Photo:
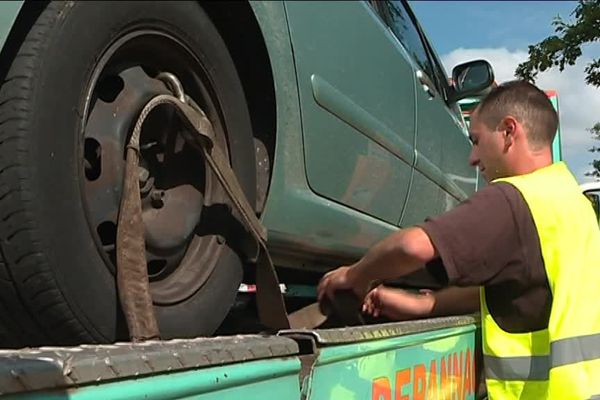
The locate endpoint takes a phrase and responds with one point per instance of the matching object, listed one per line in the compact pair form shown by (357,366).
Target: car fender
(9,10)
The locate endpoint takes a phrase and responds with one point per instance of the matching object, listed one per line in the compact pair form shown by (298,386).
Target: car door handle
(426,83)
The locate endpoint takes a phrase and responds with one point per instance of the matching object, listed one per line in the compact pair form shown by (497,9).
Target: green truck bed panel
(415,359)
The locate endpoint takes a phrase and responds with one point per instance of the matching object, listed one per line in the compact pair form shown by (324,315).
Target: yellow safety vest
(563,361)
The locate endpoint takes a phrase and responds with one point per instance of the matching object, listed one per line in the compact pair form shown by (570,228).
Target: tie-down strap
(132,278)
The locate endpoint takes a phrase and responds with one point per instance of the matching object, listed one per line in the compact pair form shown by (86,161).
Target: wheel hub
(174,183)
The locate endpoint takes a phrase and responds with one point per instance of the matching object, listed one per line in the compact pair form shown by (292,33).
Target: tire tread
(28,289)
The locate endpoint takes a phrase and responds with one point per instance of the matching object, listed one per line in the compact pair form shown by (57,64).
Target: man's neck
(532,161)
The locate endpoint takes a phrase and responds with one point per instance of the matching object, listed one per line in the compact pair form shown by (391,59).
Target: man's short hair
(527,104)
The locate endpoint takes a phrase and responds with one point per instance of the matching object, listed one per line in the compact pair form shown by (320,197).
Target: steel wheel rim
(123,80)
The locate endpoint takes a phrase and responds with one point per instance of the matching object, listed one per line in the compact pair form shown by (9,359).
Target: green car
(337,118)
(591,190)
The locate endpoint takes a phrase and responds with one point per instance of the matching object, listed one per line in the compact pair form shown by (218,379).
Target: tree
(595,131)
(564,48)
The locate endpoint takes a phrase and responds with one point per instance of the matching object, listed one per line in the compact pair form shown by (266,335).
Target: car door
(356,92)
(459,178)
(442,176)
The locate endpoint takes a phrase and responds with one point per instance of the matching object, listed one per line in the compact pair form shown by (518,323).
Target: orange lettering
(419,379)
(457,376)
(381,389)
(402,378)
(474,377)
(444,384)
(432,386)
(468,382)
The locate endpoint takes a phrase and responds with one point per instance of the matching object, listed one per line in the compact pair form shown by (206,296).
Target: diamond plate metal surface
(355,334)
(55,367)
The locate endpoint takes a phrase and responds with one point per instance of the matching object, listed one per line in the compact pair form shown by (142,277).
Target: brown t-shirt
(490,240)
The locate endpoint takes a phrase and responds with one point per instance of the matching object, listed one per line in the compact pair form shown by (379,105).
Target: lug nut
(156,199)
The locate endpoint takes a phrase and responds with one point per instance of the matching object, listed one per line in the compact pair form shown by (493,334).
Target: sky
(500,32)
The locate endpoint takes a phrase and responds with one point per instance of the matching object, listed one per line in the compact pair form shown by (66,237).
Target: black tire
(56,284)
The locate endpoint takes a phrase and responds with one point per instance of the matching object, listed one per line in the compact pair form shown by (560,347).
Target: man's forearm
(455,301)
(397,255)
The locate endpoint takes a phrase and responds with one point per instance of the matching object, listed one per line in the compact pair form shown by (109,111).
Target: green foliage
(595,131)
(564,48)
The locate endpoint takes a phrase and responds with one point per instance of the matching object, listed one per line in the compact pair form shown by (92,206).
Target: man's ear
(508,127)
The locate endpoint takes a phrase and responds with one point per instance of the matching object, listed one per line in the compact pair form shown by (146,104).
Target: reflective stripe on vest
(537,368)
(533,368)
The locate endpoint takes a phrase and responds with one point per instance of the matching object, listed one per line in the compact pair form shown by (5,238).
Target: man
(529,239)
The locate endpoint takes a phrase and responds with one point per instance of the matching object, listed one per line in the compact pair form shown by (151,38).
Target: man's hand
(399,254)
(339,279)
(397,304)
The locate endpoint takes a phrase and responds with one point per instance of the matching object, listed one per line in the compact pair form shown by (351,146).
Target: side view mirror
(470,79)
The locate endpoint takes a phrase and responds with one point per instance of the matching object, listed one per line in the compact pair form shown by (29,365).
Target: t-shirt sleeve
(477,240)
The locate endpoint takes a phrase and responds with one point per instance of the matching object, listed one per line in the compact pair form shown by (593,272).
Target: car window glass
(444,83)
(442,79)
(406,32)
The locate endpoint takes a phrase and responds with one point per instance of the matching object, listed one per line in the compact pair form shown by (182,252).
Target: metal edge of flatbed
(355,334)
(51,368)
(58,367)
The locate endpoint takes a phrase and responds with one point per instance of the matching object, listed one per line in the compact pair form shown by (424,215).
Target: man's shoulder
(495,201)
(503,192)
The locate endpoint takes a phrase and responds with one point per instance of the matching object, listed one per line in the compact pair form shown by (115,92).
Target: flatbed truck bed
(424,359)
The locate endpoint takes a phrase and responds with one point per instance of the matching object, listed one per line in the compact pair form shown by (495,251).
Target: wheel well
(28,14)
(239,29)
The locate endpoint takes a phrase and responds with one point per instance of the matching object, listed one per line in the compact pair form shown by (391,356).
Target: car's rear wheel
(67,106)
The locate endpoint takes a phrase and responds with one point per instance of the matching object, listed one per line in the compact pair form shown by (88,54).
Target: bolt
(156,199)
